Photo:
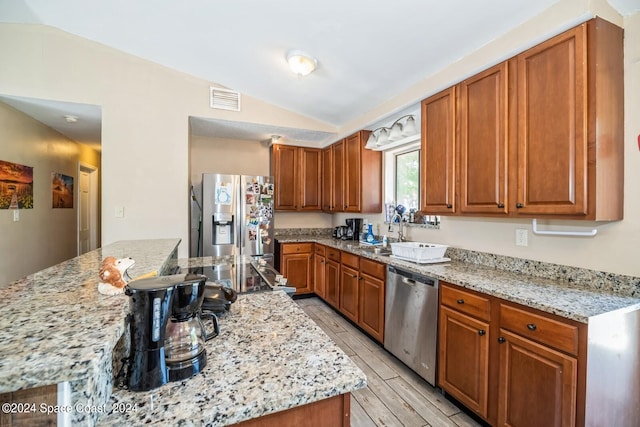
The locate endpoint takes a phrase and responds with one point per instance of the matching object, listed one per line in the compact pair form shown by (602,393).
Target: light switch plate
(522,237)
(119,211)
(16,215)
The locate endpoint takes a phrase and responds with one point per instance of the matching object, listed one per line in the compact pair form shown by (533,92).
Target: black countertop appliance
(354,228)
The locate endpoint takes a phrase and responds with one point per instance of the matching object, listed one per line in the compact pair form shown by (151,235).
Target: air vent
(224,99)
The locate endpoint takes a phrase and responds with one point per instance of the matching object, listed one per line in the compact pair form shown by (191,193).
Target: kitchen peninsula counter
(56,328)
(269,357)
(572,293)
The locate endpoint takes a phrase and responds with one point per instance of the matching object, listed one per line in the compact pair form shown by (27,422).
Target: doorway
(87,208)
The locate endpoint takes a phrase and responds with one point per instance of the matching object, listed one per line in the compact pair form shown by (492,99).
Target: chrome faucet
(401,237)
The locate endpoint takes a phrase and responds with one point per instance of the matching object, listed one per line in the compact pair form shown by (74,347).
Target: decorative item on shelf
(397,134)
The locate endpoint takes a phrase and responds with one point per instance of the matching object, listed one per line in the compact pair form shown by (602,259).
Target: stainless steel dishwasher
(411,320)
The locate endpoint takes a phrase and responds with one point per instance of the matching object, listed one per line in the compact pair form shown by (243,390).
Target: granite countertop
(270,356)
(565,298)
(56,327)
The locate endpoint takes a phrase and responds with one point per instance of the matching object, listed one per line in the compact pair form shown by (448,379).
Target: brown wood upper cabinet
(297,173)
(570,124)
(521,140)
(354,181)
(484,141)
(438,150)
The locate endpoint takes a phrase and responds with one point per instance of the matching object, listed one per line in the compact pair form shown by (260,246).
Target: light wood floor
(395,395)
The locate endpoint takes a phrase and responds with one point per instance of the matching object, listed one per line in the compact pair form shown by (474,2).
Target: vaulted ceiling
(367,51)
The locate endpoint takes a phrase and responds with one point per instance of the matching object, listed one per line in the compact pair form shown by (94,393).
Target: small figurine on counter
(112,272)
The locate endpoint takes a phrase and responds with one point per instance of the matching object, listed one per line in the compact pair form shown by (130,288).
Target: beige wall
(145,122)
(43,236)
(145,116)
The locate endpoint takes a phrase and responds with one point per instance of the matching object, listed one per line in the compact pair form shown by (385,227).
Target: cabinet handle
(354,276)
(519,205)
(449,205)
(501,205)
(460,301)
(360,278)
(345,206)
(501,340)
(482,332)
(531,326)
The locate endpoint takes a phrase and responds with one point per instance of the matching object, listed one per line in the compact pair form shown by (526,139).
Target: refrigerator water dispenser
(222,229)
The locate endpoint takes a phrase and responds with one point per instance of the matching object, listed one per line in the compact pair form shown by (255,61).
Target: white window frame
(390,169)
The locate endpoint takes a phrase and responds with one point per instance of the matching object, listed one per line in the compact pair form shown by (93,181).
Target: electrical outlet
(522,237)
(119,211)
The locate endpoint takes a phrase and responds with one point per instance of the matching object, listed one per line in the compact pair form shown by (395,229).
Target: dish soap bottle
(370,236)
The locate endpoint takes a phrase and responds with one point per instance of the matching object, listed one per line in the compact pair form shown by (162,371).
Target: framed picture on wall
(61,190)
(16,186)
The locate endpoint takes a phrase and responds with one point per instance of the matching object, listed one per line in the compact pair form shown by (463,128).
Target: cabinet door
(352,174)
(332,283)
(538,386)
(349,292)
(297,269)
(371,306)
(484,142)
(464,359)
(327,179)
(552,135)
(310,185)
(438,169)
(319,275)
(338,152)
(285,175)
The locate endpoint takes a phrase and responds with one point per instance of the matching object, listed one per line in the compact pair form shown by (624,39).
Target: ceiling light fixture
(71,119)
(397,132)
(301,63)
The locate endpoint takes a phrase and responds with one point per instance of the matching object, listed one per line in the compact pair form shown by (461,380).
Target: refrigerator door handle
(240,213)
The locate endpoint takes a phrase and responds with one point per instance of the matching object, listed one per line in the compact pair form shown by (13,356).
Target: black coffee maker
(354,226)
(167,333)
(186,334)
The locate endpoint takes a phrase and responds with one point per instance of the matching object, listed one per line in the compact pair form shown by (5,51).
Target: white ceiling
(368,51)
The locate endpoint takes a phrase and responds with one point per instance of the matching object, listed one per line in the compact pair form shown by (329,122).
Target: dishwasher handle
(410,278)
(408,281)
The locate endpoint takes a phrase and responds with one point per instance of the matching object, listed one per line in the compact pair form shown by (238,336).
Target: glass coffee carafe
(186,334)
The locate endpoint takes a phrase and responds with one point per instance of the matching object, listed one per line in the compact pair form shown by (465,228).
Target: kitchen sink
(375,250)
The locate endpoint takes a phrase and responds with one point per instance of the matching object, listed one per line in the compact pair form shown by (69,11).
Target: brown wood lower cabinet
(372,294)
(362,292)
(353,285)
(319,270)
(512,365)
(334,411)
(464,359)
(32,398)
(537,384)
(297,266)
(349,291)
(332,281)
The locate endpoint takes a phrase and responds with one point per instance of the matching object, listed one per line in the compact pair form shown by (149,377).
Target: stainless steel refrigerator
(237,215)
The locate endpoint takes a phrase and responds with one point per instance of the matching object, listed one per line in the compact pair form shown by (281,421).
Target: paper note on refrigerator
(224,193)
